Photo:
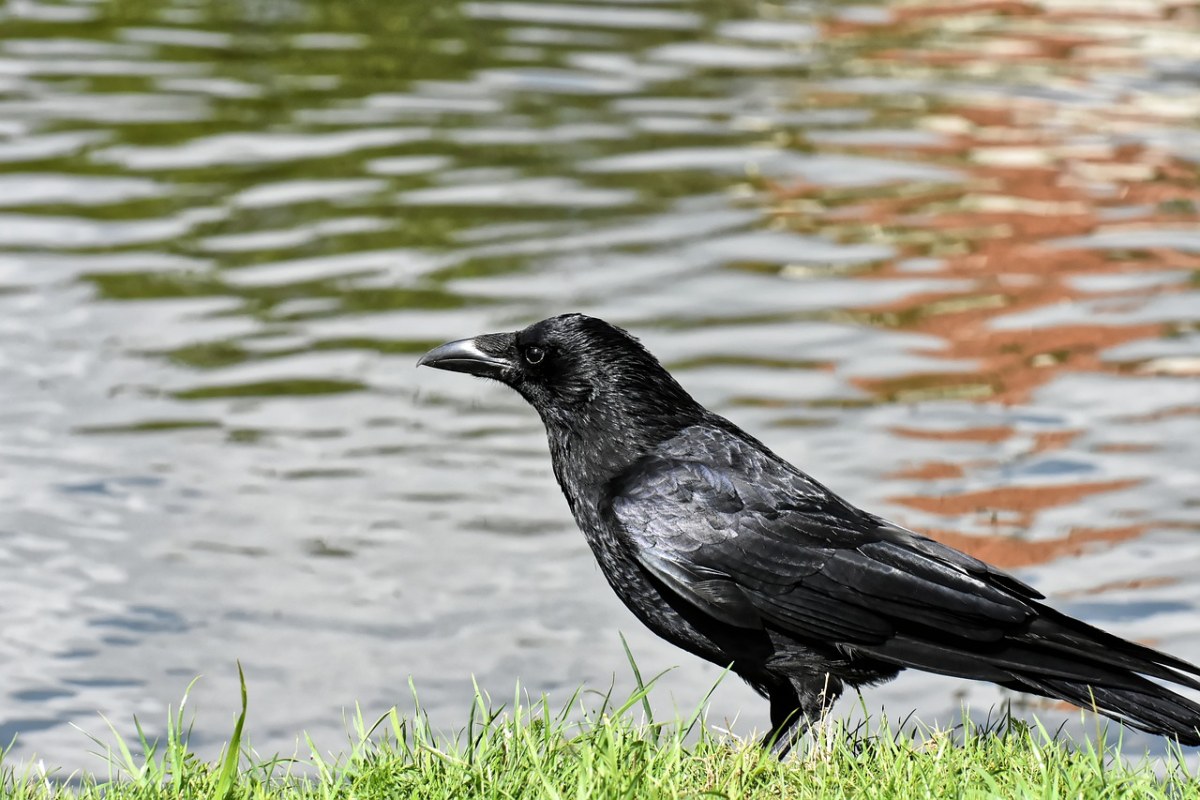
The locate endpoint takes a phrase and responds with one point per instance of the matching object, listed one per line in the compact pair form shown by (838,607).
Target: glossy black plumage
(726,550)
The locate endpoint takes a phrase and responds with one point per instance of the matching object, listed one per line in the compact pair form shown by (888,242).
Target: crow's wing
(751,541)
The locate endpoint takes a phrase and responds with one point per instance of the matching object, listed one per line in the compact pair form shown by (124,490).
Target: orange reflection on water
(1041,171)
(1010,553)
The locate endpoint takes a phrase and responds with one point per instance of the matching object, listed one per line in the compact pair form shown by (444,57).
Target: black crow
(726,550)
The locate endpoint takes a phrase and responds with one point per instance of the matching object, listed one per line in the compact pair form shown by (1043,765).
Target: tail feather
(1124,693)
(1073,637)
(1153,708)
(1061,657)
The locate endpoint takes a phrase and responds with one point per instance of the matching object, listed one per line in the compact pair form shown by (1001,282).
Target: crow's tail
(1149,708)
(1061,657)
(1113,676)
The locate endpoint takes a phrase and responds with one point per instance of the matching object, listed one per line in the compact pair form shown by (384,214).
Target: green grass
(615,750)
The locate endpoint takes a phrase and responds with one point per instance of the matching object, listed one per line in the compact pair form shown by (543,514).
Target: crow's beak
(486,356)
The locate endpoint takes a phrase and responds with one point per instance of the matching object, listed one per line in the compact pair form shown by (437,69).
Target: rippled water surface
(946,257)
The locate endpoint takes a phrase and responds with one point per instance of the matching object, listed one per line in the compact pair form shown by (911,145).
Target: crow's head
(576,370)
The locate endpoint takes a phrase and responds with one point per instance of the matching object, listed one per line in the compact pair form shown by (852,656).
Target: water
(948,261)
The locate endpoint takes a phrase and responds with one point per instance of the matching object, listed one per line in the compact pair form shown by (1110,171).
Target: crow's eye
(534,355)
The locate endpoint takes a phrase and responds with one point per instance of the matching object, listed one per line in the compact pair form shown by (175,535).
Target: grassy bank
(526,749)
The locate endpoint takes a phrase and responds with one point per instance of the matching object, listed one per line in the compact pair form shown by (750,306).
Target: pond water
(945,257)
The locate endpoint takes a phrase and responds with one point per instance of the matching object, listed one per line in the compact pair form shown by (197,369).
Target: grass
(615,750)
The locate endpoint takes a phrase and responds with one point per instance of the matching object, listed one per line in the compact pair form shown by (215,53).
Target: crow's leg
(788,721)
(794,709)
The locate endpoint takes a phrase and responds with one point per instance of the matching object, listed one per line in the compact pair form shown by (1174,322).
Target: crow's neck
(590,446)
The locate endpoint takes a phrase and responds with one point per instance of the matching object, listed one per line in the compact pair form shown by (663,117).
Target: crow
(728,551)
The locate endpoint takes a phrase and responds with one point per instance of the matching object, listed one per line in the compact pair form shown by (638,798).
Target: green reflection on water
(297,386)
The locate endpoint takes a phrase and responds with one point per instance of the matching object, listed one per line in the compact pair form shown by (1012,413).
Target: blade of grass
(229,764)
(637,676)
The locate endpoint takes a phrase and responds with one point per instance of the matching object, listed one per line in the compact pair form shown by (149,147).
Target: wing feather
(717,535)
